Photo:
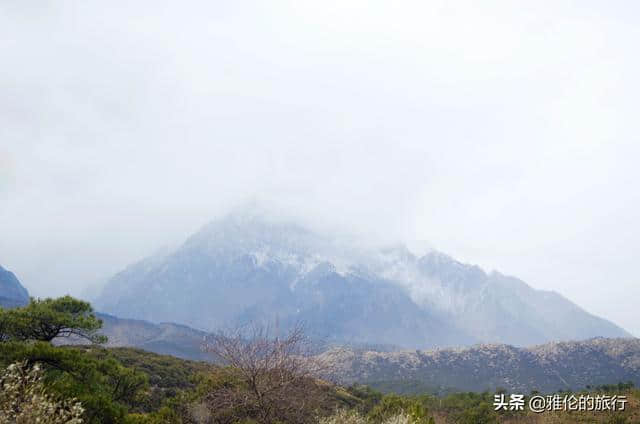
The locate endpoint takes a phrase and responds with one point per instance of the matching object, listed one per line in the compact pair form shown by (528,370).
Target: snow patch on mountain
(246,267)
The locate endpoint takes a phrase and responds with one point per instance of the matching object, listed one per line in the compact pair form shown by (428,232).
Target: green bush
(106,388)
(47,319)
(392,406)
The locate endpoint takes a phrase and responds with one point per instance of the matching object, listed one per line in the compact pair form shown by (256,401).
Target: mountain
(164,338)
(246,267)
(12,293)
(546,368)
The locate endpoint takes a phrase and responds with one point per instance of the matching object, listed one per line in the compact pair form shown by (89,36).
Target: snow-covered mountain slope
(249,268)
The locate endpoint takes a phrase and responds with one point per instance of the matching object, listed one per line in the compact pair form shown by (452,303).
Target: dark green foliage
(112,385)
(393,405)
(618,419)
(614,388)
(465,408)
(163,370)
(105,388)
(132,386)
(407,387)
(169,377)
(46,319)
(165,415)
(481,413)
(363,398)
(5,326)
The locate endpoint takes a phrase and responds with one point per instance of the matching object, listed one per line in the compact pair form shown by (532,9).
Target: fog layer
(503,134)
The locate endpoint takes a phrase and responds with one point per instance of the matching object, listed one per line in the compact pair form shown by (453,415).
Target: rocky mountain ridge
(545,368)
(12,292)
(247,267)
(163,338)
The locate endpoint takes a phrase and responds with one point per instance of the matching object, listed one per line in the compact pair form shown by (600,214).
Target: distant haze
(503,133)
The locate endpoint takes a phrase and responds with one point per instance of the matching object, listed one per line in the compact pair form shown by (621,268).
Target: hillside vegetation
(545,368)
(258,379)
(267,382)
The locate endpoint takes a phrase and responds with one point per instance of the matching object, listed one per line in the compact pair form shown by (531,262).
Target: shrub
(24,400)
(268,379)
(105,388)
(393,406)
(343,416)
(47,319)
(349,417)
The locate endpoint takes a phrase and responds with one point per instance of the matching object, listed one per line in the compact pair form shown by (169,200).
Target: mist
(503,135)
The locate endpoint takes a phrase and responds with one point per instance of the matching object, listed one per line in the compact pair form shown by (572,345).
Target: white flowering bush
(346,417)
(399,419)
(24,400)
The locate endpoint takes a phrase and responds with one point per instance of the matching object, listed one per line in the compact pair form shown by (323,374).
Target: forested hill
(164,338)
(546,368)
(127,386)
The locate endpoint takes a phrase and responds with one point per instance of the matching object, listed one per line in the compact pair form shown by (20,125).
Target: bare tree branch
(277,377)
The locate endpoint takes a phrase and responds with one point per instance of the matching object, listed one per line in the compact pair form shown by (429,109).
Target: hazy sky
(503,133)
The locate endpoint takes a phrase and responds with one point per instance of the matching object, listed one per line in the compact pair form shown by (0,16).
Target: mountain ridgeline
(246,268)
(545,368)
(164,338)
(12,293)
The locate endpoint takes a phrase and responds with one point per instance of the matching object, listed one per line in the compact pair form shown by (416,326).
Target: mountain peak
(12,293)
(250,266)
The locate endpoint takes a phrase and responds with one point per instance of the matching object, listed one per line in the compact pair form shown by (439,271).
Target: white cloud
(503,134)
